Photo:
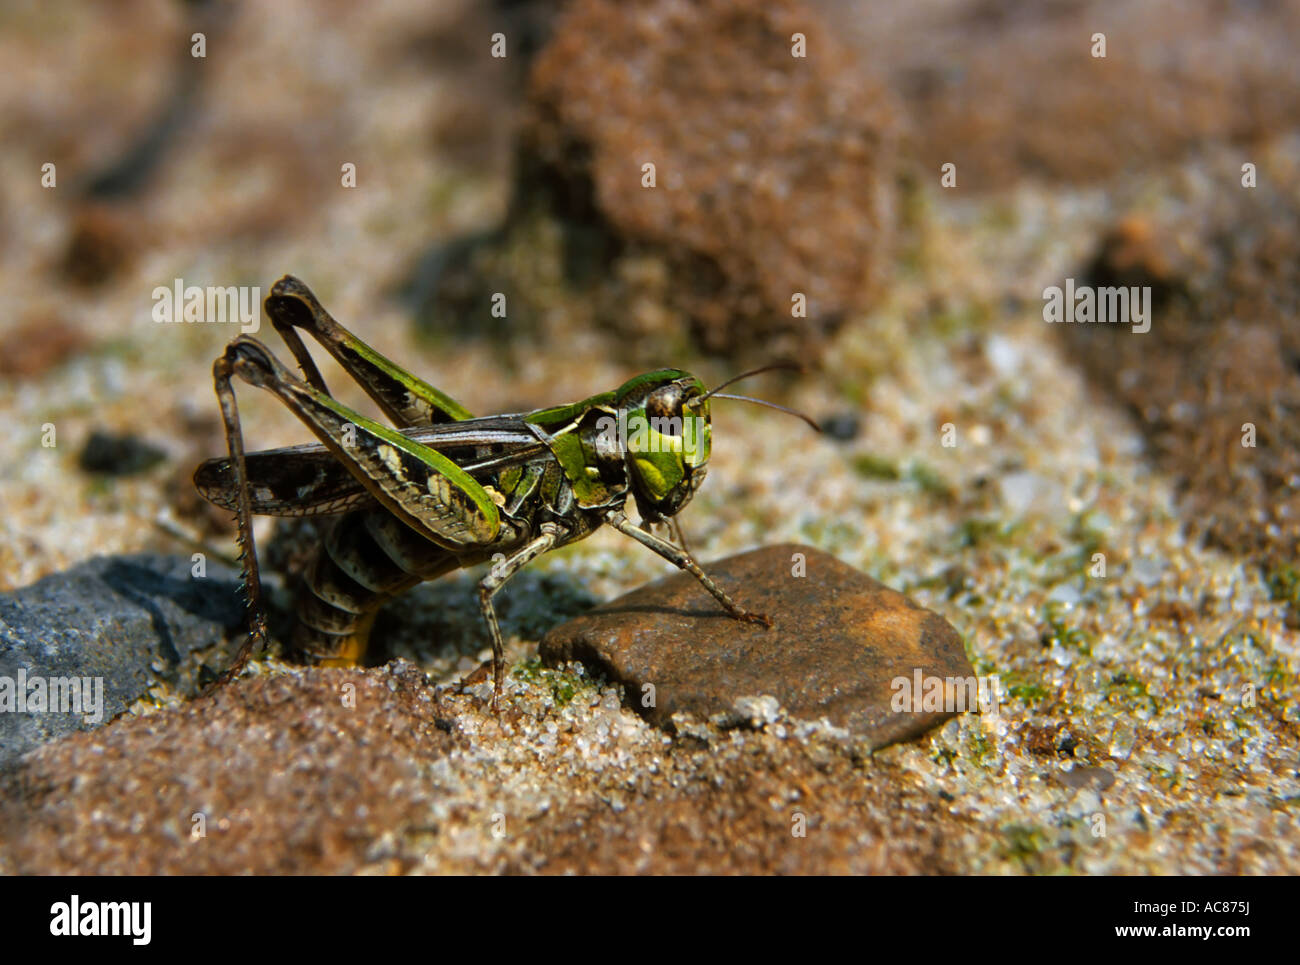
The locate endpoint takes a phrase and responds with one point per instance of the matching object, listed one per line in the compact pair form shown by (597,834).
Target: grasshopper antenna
(770,405)
(788,366)
(773,367)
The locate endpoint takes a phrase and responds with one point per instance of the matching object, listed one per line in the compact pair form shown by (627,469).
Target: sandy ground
(1140,672)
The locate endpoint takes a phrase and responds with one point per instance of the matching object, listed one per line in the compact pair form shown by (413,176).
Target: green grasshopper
(443,490)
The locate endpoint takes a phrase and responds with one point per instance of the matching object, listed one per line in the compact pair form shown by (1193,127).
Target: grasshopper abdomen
(349,577)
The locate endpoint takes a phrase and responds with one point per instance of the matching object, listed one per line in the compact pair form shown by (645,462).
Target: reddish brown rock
(772,170)
(772,177)
(290,774)
(839,642)
(1215,383)
(39,343)
(765,808)
(1009,89)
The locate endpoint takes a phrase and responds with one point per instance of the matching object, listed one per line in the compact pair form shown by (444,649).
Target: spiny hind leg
(231,363)
(222,370)
(405,399)
(419,486)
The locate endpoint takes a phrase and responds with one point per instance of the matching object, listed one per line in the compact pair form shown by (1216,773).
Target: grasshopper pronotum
(443,490)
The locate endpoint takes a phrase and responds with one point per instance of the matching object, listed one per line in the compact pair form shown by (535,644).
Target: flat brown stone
(839,641)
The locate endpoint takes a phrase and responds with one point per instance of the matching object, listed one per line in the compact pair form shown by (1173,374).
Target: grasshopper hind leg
(222,370)
(416,487)
(408,401)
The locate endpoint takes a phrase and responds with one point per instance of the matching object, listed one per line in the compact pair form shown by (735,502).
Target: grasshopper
(443,490)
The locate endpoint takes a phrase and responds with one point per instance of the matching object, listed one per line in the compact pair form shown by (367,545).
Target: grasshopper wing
(308,480)
(293,481)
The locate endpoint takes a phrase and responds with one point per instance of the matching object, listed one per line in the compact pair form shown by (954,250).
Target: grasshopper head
(668,440)
(669,434)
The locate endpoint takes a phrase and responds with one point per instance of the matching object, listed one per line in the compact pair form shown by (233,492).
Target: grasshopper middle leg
(497,578)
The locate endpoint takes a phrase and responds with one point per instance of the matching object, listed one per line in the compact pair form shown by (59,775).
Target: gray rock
(119,625)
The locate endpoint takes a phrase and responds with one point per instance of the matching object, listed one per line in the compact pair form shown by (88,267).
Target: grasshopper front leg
(496,578)
(682,560)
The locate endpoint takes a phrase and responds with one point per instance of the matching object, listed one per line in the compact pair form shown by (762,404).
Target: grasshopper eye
(666,405)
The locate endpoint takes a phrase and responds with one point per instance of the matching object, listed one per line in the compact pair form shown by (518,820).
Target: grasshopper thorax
(666,440)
